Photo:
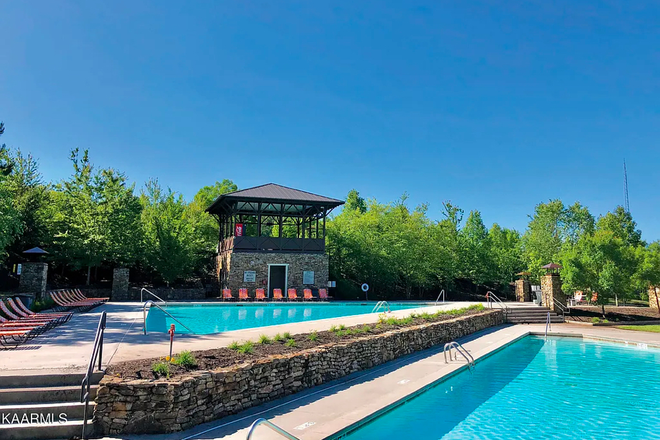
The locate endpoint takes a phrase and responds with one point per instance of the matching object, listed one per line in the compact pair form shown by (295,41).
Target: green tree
(204,225)
(10,222)
(170,243)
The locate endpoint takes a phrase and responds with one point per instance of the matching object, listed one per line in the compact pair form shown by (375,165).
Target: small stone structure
(551,290)
(120,276)
(235,264)
(523,291)
(162,406)
(654,298)
(33,278)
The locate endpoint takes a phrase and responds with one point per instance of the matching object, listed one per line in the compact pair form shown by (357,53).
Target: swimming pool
(562,388)
(205,319)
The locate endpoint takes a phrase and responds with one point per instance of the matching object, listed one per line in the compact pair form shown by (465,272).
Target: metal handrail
(272,426)
(560,306)
(144,315)
(490,296)
(85,386)
(459,349)
(548,324)
(150,293)
(442,294)
(380,304)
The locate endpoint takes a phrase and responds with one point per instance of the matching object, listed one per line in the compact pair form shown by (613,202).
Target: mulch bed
(613,314)
(226,357)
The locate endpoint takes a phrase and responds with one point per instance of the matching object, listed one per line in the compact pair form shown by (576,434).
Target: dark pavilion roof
(273,193)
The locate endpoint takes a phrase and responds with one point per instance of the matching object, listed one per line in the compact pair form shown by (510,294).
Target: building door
(277,278)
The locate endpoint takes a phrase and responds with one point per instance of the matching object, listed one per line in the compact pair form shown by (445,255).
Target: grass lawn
(641,328)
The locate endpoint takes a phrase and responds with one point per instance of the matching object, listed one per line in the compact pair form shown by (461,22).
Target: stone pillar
(551,290)
(523,291)
(120,284)
(33,278)
(654,298)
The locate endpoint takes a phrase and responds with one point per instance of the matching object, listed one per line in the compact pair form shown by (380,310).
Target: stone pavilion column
(120,277)
(33,278)
(654,298)
(523,291)
(551,290)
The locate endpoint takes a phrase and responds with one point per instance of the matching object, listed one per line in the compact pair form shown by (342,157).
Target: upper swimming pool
(562,388)
(205,319)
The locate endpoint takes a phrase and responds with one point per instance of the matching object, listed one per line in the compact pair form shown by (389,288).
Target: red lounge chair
(33,328)
(82,297)
(323,294)
(67,304)
(59,318)
(277,294)
(307,295)
(226,294)
(260,295)
(292,294)
(14,338)
(243,294)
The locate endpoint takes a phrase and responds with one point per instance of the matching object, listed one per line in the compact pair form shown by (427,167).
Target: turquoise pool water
(562,388)
(205,319)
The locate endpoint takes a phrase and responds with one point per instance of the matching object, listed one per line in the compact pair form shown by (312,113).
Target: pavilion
(273,237)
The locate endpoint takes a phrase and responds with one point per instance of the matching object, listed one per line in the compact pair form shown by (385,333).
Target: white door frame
(286,279)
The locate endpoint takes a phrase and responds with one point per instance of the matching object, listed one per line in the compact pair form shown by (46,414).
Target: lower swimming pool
(205,319)
(562,388)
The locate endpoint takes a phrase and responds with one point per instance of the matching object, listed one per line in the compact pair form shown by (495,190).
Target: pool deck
(67,348)
(328,409)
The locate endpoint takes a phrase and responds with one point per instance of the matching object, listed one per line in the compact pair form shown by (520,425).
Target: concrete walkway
(68,347)
(327,409)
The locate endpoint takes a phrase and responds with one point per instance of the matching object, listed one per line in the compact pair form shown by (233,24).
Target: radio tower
(625,188)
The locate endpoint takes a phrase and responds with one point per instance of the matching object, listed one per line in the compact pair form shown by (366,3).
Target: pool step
(532,315)
(44,407)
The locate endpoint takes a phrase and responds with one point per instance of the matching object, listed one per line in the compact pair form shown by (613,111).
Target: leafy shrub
(263,339)
(278,338)
(290,343)
(333,328)
(287,335)
(185,359)
(366,329)
(42,304)
(246,348)
(342,327)
(313,336)
(595,320)
(234,345)
(161,368)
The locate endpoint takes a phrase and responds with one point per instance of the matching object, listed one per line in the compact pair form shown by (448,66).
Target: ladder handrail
(272,426)
(459,349)
(151,303)
(548,324)
(380,304)
(490,295)
(150,293)
(442,294)
(560,306)
(85,386)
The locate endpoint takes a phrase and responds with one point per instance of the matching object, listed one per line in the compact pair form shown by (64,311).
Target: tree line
(96,219)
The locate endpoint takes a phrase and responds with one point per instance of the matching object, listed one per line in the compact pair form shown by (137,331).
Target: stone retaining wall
(162,406)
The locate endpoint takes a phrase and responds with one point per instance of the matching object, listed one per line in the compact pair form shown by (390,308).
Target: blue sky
(494,105)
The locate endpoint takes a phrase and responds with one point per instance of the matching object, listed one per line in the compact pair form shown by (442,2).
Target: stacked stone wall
(163,406)
(166,293)
(523,291)
(551,290)
(33,278)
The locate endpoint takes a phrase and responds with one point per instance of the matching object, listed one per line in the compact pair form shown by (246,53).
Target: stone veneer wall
(120,280)
(162,406)
(233,264)
(33,278)
(523,291)
(654,298)
(551,288)
(167,293)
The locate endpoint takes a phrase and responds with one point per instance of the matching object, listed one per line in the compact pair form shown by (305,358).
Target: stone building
(272,237)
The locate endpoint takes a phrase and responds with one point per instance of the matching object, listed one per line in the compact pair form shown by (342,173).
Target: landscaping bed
(612,314)
(247,351)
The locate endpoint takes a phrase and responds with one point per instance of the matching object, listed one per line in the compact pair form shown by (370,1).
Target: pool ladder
(270,425)
(459,349)
(381,304)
